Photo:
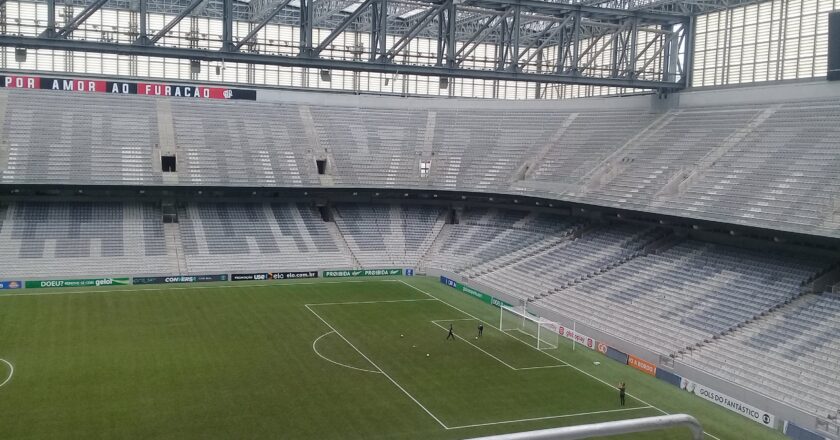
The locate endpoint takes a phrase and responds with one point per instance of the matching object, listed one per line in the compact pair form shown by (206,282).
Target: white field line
(544,366)
(514,337)
(371,302)
(163,289)
(315,342)
(11,371)
(554,417)
(493,356)
(377,367)
(478,348)
(547,354)
(380,370)
(283,284)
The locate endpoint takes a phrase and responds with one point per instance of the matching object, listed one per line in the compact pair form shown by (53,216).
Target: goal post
(540,332)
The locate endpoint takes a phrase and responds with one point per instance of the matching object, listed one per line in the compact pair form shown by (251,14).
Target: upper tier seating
(769,165)
(64,138)
(230,144)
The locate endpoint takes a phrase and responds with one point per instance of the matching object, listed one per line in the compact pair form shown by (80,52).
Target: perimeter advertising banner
(580,338)
(746,410)
(641,365)
(124,88)
(293,275)
(362,273)
(474,293)
(176,279)
(669,377)
(262,276)
(11,285)
(93,282)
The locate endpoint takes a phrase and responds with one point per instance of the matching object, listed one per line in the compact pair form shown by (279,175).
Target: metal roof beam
(320,63)
(403,42)
(76,21)
(172,23)
(341,27)
(274,11)
(586,11)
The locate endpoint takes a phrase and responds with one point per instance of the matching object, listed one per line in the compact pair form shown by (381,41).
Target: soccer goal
(540,332)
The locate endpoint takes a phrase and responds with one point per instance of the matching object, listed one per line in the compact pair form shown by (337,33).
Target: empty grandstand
(678,214)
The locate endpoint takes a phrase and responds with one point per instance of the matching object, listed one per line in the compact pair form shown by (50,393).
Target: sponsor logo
(97,282)
(249,277)
(293,275)
(179,279)
(10,285)
(755,414)
(641,365)
(104,282)
(602,347)
(577,337)
(362,273)
(474,293)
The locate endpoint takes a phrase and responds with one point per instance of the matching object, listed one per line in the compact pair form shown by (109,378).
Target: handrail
(607,428)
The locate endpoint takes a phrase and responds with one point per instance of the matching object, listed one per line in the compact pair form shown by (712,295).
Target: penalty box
(497,379)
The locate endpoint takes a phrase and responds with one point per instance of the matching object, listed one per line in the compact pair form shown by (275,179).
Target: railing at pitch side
(607,429)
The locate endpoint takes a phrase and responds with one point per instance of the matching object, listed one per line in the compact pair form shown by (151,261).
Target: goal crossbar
(542,330)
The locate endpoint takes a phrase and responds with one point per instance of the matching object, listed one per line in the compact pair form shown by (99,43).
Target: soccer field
(320,360)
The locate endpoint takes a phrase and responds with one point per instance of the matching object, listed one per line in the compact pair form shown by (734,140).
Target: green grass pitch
(319,360)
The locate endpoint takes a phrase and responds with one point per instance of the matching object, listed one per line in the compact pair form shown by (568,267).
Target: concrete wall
(742,95)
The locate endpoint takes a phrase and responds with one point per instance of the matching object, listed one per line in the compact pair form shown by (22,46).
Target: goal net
(540,332)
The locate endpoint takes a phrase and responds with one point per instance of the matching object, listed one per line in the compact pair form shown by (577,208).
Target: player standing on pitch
(451,333)
(621,389)
(480,329)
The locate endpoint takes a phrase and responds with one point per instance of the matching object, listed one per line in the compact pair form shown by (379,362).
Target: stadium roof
(642,40)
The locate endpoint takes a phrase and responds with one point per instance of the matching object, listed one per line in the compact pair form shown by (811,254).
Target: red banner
(124,88)
(641,365)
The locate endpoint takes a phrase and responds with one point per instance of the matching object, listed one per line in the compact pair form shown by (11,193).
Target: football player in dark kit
(451,335)
(621,390)
(480,329)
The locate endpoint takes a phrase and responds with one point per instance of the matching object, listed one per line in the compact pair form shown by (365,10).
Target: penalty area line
(378,368)
(493,356)
(11,371)
(547,354)
(370,302)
